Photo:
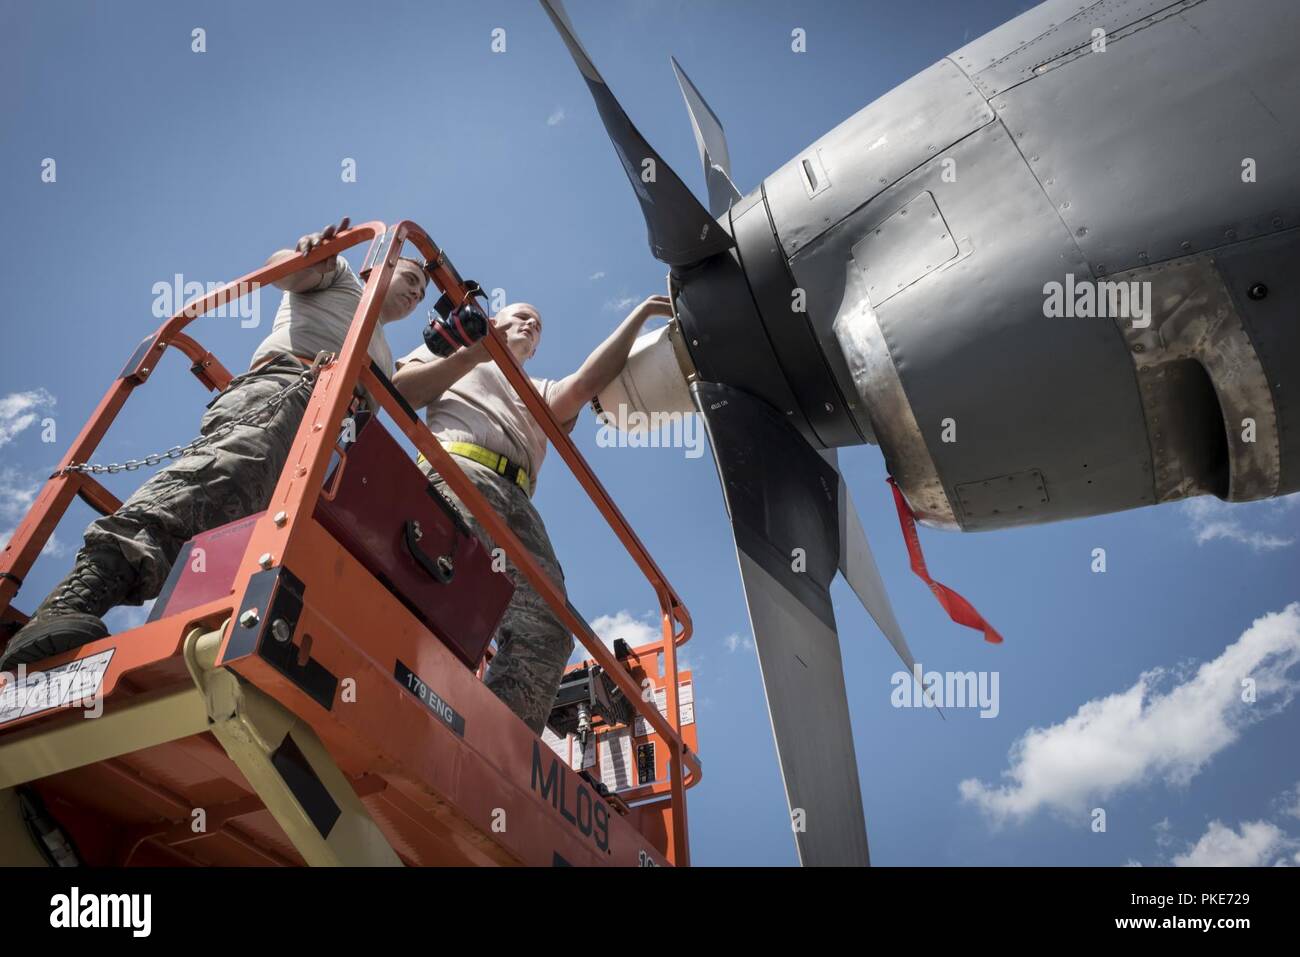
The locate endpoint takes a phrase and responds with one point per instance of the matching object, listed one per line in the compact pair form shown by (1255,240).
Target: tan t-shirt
(483,408)
(318,319)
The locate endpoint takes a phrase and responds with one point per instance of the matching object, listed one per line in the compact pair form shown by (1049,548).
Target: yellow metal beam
(41,752)
(288,767)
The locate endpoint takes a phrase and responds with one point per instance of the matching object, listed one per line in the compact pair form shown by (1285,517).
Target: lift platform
(303,696)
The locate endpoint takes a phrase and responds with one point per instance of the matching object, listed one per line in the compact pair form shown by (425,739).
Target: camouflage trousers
(232,477)
(532,645)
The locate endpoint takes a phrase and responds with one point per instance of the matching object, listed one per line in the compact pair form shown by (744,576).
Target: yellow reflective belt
(476,453)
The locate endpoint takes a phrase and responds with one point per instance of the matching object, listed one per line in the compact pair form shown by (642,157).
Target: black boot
(69,616)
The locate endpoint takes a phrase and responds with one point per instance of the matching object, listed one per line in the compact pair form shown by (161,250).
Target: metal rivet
(281,631)
(280,518)
(265,560)
(416,531)
(1138,347)
(829,407)
(249,618)
(1257,291)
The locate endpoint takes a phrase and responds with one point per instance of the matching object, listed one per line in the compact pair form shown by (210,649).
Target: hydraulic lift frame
(252,689)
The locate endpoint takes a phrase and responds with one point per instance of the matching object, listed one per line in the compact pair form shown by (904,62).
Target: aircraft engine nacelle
(1041,305)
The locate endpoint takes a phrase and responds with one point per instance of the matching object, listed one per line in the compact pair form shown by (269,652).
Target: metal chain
(272,403)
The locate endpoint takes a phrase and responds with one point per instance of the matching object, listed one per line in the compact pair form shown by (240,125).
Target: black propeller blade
(681,231)
(795,527)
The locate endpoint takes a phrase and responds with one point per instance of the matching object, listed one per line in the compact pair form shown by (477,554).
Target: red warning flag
(959,609)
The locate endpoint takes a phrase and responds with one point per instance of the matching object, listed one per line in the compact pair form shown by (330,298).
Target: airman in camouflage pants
(225,480)
(128,554)
(532,645)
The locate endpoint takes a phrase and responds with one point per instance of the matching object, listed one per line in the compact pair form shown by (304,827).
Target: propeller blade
(712,143)
(858,566)
(681,231)
(782,500)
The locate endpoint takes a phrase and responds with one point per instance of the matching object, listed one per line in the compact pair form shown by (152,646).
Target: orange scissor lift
(216,741)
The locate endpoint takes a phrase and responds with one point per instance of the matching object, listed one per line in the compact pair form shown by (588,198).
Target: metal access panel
(911,243)
(874,148)
(1042,38)
(1210,92)
(1003,495)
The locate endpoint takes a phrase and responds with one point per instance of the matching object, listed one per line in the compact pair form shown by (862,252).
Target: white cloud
(1125,740)
(596,276)
(735,640)
(556,118)
(621,303)
(1215,520)
(1289,802)
(1164,833)
(20,410)
(17,492)
(125,617)
(52,546)
(635,631)
(1257,844)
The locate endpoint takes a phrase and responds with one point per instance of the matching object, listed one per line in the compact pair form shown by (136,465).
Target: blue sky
(170,161)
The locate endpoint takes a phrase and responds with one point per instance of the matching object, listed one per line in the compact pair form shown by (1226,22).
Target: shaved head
(522,324)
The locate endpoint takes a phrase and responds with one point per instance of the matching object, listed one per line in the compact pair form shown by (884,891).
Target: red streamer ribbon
(959,609)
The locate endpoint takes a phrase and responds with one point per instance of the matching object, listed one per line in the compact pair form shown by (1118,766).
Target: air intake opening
(1188,432)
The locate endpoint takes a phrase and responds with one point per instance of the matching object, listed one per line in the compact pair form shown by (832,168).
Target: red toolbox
(384,511)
